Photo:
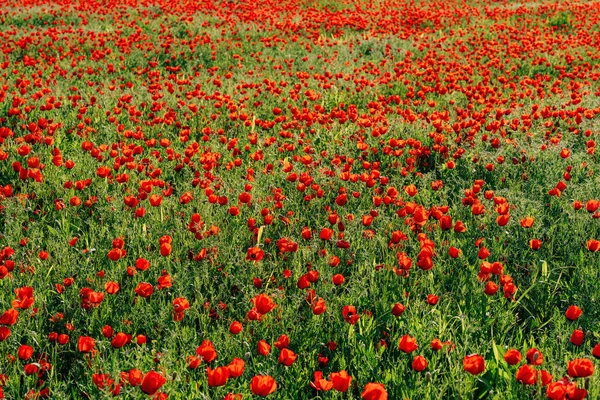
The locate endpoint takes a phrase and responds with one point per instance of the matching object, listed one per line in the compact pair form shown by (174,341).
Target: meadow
(299,199)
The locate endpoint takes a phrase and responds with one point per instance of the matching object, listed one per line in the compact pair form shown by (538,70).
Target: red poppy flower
(4,333)
(512,356)
(560,390)
(263,385)
(577,337)
(111,287)
(459,227)
(255,254)
(9,317)
(374,391)
(142,264)
(474,364)
(398,309)
(218,376)
(527,222)
(408,344)
(120,340)
(235,327)
(144,289)
(287,357)
(593,245)
(326,234)
(534,357)
(319,383)
(282,342)
(483,253)
(31,369)
(535,244)
(165,249)
(206,350)
(263,303)
(338,279)
(419,363)
(115,254)
(490,288)
(152,382)
(350,315)
(454,252)
(546,377)
(86,344)
(436,344)
(527,375)
(263,348)
(25,352)
(580,368)
(193,362)
(341,381)
(236,367)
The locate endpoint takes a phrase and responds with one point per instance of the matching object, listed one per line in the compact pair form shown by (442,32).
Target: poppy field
(299,199)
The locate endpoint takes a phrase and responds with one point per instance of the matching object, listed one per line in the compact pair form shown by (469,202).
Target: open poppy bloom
(218,376)
(408,344)
(152,382)
(580,368)
(255,254)
(263,385)
(474,364)
(319,383)
(374,391)
(263,303)
(350,315)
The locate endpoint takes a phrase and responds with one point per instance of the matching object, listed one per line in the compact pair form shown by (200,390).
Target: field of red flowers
(299,199)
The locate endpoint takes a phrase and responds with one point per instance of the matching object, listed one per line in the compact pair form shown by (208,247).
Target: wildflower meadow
(299,199)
